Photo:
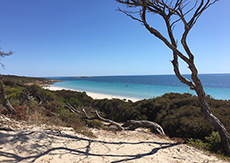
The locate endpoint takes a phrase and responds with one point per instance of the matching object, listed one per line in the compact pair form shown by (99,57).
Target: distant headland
(43,82)
(84,77)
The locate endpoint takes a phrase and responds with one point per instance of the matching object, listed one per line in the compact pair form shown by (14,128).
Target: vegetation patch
(178,114)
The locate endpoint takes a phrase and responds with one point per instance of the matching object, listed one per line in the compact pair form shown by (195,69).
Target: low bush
(211,143)
(178,114)
(19,113)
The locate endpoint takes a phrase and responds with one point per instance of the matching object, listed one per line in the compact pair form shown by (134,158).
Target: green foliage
(117,109)
(94,123)
(11,83)
(178,114)
(214,142)
(74,98)
(197,143)
(21,80)
(211,143)
(14,92)
(68,117)
(184,122)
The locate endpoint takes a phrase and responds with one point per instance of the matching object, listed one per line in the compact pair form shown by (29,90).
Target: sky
(52,38)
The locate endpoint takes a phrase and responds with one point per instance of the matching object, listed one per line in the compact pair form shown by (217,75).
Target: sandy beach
(42,143)
(94,95)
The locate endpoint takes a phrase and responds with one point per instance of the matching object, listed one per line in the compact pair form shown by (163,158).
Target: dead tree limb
(132,125)
(71,108)
(129,125)
(119,127)
(110,121)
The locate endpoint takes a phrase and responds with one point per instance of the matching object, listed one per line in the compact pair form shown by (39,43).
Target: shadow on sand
(34,151)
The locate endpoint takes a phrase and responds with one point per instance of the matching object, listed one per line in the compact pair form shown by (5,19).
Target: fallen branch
(119,127)
(130,125)
(88,117)
(71,108)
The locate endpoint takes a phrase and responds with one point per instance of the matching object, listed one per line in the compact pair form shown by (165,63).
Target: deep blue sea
(145,87)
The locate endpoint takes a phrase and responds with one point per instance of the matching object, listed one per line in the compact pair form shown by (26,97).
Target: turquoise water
(144,87)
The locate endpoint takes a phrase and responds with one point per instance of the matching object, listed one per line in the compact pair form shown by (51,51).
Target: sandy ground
(95,95)
(52,144)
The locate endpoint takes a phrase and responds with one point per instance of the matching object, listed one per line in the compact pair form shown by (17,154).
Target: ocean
(146,86)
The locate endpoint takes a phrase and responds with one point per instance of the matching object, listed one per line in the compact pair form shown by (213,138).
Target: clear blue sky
(89,37)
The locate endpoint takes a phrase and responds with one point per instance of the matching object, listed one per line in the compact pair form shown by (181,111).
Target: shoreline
(94,95)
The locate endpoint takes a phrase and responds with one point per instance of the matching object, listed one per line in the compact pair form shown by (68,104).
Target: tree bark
(167,9)
(132,125)
(4,98)
(214,121)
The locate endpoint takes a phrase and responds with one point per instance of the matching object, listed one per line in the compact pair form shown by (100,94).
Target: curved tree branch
(166,10)
(130,125)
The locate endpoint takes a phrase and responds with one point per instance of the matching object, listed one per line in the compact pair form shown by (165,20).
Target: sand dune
(53,144)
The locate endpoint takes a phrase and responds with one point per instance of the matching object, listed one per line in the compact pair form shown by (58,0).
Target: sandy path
(54,144)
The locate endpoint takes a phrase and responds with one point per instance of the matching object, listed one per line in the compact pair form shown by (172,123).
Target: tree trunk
(214,121)
(4,98)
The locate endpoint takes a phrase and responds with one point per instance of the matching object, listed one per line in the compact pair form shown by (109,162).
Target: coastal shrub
(22,80)
(36,114)
(214,143)
(109,107)
(19,113)
(52,106)
(197,143)
(185,121)
(211,143)
(73,98)
(148,108)
(14,92)
(94,124)
(178,114)
(68,117)
(11,83)
(117,110)
(47,95)
(39,94)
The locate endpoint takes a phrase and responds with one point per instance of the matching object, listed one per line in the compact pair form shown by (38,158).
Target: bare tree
(3,96)
(187,13)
